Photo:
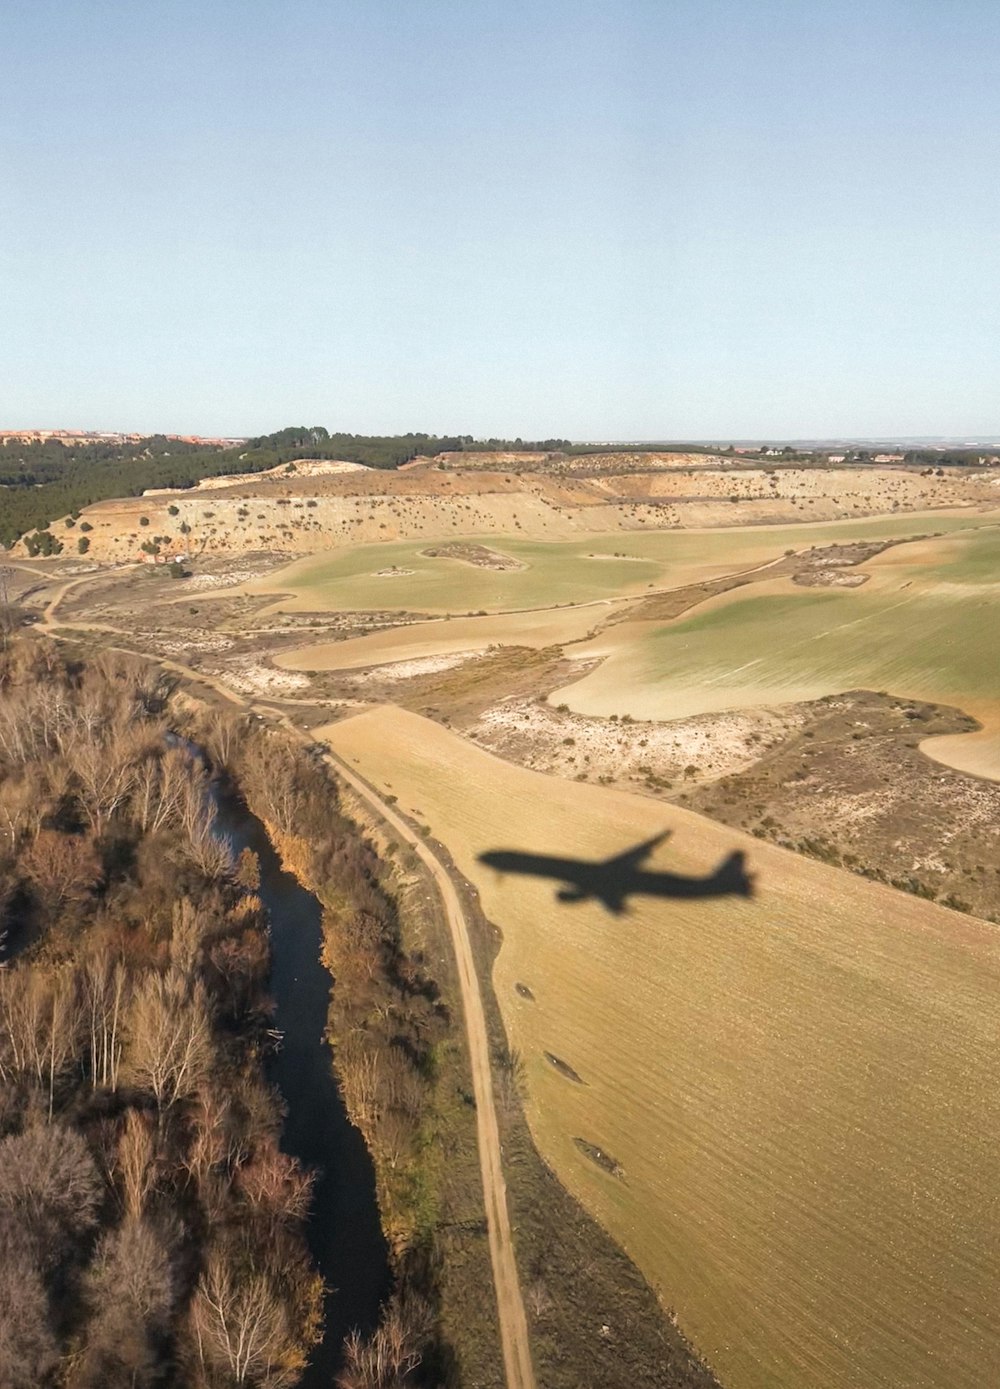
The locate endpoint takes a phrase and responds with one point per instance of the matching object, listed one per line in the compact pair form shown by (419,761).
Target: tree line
(151,1229)
(387,1023)
(43,480)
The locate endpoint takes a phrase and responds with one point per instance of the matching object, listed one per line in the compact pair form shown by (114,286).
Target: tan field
(799,1089)
(421,640)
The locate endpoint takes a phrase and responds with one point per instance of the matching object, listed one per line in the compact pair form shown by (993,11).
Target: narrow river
(344,1234)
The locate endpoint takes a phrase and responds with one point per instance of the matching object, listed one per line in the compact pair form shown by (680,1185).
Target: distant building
(888,458)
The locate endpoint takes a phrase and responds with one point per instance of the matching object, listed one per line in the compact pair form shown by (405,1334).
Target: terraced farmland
(799,1089)
(401,576)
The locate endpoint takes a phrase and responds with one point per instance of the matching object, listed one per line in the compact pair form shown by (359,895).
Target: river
(344,1234)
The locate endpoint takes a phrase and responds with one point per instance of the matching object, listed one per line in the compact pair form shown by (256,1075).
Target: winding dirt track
(510,1305)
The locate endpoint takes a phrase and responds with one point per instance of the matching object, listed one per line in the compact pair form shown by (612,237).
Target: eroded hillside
(298,510)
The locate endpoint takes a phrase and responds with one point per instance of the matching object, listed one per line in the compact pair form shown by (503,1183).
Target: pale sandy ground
(461,635)
(256,679)
(710,746)
(304,467)
(199,583)
(975,753)
(406,670)
(192,642)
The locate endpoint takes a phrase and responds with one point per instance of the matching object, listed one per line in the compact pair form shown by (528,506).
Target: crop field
(926,626)
(400,576)
(536,628)
(800,1089)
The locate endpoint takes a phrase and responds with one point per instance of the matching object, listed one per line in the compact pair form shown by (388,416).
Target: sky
(593,219)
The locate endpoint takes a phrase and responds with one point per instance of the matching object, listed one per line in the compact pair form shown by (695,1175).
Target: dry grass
(799,1089)
(443,638)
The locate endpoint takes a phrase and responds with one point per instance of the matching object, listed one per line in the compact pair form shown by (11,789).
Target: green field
(927,626)
(800,1088)
(577,571)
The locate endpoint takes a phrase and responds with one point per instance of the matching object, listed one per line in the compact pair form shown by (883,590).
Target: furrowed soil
(786,1108)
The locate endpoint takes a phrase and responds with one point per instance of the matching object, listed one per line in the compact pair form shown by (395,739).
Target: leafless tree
(63,869)
(28,1349)
(39,1027)
(161,783)
(389,1358)
(170,1027)
(274,1182)
(136,1161)
(50,1184)
(222,736)
(107,776)
(21,808)
(130,1291)
(241,1325)
(105,990)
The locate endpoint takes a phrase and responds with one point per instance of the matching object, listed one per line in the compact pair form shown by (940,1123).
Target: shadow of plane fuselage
(612,881)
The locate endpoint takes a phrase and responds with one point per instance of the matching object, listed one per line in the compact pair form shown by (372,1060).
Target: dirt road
(510,1305)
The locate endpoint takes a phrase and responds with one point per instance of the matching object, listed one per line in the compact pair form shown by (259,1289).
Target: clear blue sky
(594,218)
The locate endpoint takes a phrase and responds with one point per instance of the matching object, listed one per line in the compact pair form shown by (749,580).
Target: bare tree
(107,775)
(241,1325)
(222,736)
(21,808)
(161,783)
(389,1358)
(105,989)
(63,869)
(50,1184)
(65,1017)
(28,1349)
(171,1030)
(136,1161)
(130,1290)
(276,1183)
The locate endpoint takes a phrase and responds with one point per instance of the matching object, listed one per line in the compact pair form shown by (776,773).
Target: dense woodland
(151,1228)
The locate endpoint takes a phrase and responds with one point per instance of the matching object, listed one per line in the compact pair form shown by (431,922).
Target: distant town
(106,436)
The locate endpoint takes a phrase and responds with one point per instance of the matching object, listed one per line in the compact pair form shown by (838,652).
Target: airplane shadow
(613,881)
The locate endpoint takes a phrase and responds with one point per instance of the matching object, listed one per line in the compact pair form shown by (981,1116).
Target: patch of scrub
(600,1158)
(407,670)
(479,556)
(557,740)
